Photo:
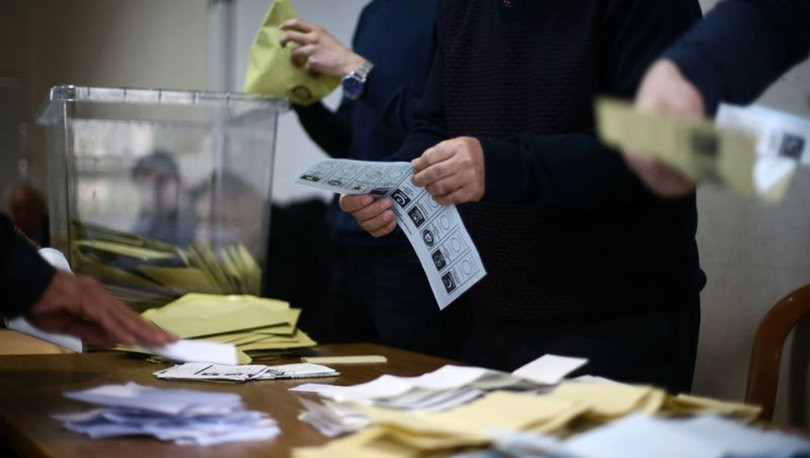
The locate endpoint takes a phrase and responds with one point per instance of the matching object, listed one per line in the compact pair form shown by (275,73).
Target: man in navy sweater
(57,301)
(582,259)
(739,50)
(377,290)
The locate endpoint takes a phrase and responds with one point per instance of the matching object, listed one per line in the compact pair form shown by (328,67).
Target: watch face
(352,88)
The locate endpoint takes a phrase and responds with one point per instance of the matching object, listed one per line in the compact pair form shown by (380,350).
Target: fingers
(297,24)
(80,306)
(434,155)
(296,37)
(452,168)
(374,216)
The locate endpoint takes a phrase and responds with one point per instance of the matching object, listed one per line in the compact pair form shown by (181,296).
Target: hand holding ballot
(318,50)
(665,90)
(78,305)
(452,171)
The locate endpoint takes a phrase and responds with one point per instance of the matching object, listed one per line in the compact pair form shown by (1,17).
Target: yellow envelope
(197,315)
(270,69)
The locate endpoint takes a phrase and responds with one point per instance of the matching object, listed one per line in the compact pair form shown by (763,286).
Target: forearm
(24,275)
(570,173)
(327,129)
(741,47)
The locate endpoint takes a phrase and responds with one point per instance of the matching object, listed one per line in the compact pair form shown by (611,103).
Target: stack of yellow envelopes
(146,273)
(253,324)
(571,407)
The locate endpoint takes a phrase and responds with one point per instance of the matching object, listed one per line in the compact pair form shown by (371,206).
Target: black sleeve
(328,130)
(742,47)
(428,126)
(24,275)
(574,172)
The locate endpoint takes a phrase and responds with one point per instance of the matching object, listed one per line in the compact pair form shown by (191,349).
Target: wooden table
(31,388)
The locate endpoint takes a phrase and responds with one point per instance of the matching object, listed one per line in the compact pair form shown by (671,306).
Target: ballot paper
(695,147)
(185,417)
(197,351)
(701,437)
(436,232)
(244,372)
(445,388)
(549,369)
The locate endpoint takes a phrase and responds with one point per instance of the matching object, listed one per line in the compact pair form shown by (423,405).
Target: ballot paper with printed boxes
(480,409)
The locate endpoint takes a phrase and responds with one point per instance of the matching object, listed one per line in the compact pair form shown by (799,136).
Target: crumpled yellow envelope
(270,70)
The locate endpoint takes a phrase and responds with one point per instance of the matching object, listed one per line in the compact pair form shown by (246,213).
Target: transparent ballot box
(157,193)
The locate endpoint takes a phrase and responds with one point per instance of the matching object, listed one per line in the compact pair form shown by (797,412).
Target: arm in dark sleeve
(429,126)
(574,172)
(392,101)
(742,47)
(24,275)
(328,130)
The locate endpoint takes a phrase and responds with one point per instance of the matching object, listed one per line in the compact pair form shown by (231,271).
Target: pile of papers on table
(643,436)
(395,426)
(243,372)
(254,325)
(147,273)
(442,389)
(185,417)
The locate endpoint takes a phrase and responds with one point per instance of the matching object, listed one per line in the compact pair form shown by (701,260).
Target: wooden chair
(766,354)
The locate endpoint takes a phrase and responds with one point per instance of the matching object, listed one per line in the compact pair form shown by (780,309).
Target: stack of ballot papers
(254,325)
(442,389)
(147,273)
(185,417)
(243,372)
(753,150)
(643,436)
(564,411)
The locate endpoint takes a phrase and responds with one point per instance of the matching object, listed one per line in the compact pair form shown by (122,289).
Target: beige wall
(134,43)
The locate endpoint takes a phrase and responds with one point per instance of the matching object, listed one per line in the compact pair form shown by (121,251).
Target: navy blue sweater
(24,275)
(742,46)
(398,37)
(565,230)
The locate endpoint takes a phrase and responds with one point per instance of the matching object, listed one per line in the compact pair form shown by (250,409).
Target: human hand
(452,171)
(322,52)
(79,305)
(665,90)
(374,216)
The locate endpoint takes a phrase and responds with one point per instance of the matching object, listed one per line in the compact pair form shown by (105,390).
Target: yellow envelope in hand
(270,68)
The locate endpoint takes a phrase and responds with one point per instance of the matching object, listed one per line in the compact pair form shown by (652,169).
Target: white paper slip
(206,371)
(436,232)
(549,369)
(195,351)
(172,402)
(243,372)
(185,417)
(298,370)
(778,134)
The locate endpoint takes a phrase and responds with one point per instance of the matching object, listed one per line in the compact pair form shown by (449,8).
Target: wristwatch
(354,83)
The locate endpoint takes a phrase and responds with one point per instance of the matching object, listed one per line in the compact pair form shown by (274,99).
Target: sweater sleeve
(24,275)
(392,101)
(742,47)
(574,173)
(330,131)
(428,127)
